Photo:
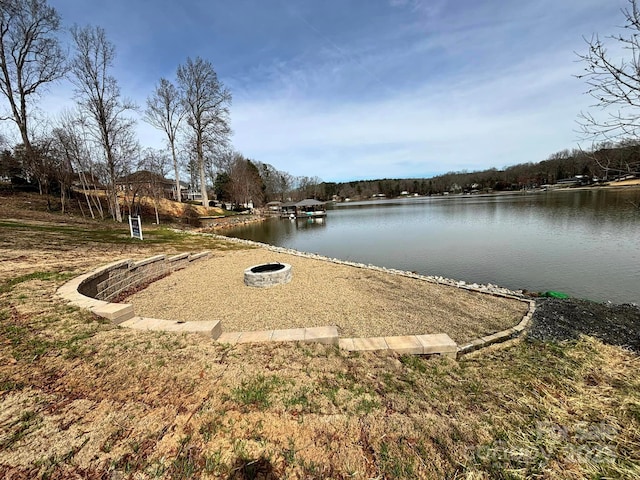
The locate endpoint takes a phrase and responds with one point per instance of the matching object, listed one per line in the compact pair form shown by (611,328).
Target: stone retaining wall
(113,280)
(96,290)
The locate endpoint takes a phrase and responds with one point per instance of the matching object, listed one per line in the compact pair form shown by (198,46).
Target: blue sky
(351,89)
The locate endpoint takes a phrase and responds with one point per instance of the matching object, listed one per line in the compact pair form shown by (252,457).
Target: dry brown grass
(84,399)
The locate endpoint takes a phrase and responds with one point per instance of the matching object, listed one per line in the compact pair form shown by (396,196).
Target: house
(191,194)
(147,182)
(81,179)
(576,180)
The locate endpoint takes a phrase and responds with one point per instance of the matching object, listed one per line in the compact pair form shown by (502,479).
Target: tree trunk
(116,206)
(203,182)
(112,178)
(81,209)
(62,196)
(177,173)
(155,206)
(83,180)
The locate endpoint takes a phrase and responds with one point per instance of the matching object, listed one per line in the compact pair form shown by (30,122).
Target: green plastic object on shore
(552,294)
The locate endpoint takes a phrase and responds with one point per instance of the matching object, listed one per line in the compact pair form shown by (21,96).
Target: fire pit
(267,275)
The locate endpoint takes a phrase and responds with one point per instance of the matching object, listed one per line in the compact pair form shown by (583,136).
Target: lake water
(585,243)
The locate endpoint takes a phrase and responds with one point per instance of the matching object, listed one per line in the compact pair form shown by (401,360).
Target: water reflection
(309,223)
(582,242)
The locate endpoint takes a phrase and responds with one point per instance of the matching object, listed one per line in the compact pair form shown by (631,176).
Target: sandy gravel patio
(361,302)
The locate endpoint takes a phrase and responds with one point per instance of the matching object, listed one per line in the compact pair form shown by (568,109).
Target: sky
(366,89)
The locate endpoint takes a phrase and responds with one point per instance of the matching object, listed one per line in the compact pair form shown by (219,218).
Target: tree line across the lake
(608,161)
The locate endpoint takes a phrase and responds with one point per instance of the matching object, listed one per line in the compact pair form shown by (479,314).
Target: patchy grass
(80,398)
(8,285)
(255,392)
(110,234)
(18,429)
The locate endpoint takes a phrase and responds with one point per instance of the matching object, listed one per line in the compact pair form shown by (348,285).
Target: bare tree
(152,169)
(72,139)
(276,183)
(165,112)
(614,83)
(30,58)
(206,102)
(72,151)
(285,184)
(37,164)
(308,187)
(64,165)
(98,96)
(245,183)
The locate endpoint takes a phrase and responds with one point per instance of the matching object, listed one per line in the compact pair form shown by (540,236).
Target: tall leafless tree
(614,83)
(206,102)
(71,148)
(155,162)
(245,183)
(98,96)
(30,59)
(165,111)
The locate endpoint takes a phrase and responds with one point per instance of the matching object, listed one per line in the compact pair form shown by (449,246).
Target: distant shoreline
(610,186)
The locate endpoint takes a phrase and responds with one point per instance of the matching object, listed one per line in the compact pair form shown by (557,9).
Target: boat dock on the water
(307,208)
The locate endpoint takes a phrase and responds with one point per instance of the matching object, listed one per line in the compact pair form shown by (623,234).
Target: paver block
(255,337)
(180,256)
(325,335)
(116,312)
(90,303)
(68,288)
(437,343)
(346,344)
(216,331)
(496,337)
(198,256)
(288,335)
(148,261)
(370,344)
(211,328)
(408,344)
(147,323)
(229,337)
(131,323)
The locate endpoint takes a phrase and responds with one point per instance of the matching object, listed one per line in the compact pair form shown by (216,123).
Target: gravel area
(360,301)
(557,320)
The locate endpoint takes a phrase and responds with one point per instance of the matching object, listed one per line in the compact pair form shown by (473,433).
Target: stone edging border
(94,290)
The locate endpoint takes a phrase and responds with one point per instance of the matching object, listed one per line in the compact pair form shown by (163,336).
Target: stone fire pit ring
(267,275)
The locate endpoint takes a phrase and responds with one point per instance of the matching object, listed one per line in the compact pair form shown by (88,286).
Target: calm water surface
(585,243)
